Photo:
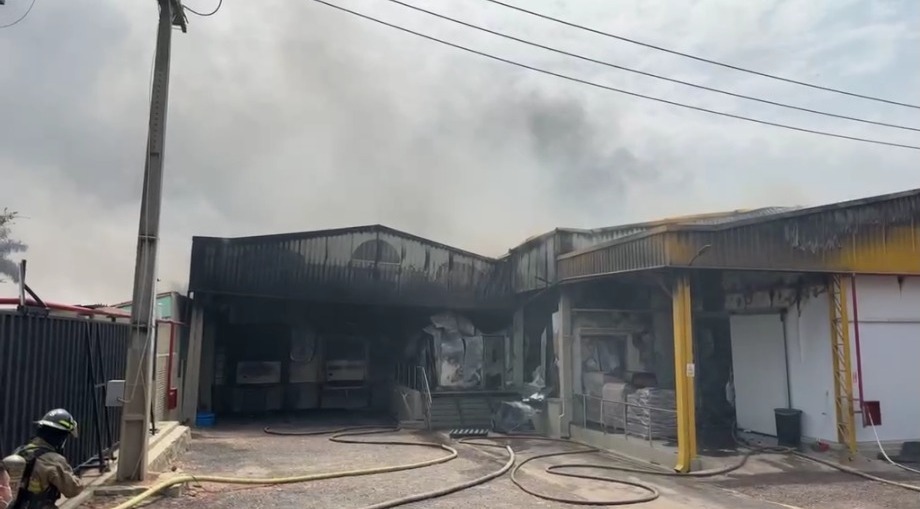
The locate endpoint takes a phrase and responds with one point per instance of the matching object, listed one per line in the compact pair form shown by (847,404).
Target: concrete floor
(244,450)
(801,483)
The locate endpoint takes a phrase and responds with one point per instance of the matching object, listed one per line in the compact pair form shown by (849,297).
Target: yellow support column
(684,373)
(840,348)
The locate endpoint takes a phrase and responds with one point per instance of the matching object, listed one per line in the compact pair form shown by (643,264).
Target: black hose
(651,493)
(841,468)
(339,436)
(430,495)
(665,473)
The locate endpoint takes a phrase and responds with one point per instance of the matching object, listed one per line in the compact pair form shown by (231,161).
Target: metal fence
(49,362)
(646,423)
(416,378)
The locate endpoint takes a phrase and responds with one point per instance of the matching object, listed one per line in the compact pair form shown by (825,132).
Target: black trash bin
(788,426)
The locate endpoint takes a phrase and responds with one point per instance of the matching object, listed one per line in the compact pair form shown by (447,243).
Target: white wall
(889,327)
(808,353)
(811,377)
(759,367)
(889,330)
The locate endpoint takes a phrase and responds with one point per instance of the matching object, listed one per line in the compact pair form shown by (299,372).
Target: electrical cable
(856,472)
(882,449)
(649,74)
(702,59)
(205,14)
(614,89)
(834,465)
(18,20)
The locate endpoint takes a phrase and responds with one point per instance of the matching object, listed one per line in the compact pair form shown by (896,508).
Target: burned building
(673,331)
(332,319)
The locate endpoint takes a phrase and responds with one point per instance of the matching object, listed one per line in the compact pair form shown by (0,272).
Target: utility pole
(135,420)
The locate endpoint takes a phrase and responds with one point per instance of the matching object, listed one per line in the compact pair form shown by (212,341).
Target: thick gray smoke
(286,116)
(8,247)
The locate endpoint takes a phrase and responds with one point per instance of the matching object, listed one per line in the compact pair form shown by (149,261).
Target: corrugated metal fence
(51,362)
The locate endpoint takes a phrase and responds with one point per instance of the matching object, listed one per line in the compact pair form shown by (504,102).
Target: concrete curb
(164,447)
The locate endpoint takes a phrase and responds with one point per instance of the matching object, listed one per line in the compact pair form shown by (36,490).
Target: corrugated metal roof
(870,235)
(381,264)
(371,264)
(371,228)
(534,261)
(737,216)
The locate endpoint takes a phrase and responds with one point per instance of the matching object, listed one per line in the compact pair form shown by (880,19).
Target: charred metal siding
(45,363)
(863,238)
(644,252)
(866,236)
(576,241)
(534,262)
(358,265)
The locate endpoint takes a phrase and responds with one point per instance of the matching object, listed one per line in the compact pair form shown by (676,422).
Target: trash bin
(206,419)
(788,426)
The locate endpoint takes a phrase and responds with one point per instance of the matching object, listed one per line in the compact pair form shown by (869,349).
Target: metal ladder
(840,349)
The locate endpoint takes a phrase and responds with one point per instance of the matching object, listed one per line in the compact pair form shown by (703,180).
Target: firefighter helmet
(59,419)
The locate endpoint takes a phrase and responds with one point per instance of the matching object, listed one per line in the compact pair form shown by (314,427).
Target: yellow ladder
(840,348)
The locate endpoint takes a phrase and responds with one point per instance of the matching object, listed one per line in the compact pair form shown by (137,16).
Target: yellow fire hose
(342,436)
(339,436)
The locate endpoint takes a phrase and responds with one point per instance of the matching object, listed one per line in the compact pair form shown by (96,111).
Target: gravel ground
(807,485)
(245,451)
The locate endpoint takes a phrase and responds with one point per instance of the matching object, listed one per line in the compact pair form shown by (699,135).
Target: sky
(286,115)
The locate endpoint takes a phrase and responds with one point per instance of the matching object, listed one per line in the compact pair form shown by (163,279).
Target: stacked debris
(458,350)
(514,417)
(652,414)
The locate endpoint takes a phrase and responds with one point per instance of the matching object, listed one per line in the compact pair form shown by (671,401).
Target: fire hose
(349,436)
(650,492)
(494,442)
(342,436)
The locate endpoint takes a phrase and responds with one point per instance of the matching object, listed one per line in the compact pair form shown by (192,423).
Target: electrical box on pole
(136,399)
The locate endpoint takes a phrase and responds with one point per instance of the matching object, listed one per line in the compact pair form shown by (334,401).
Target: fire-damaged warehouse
(680,331)
(331,319)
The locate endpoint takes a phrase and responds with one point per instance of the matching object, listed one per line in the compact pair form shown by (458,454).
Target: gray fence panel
(59,362)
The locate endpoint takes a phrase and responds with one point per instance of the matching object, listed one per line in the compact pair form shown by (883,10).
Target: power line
(652,75)
(609,88)
(31,5)
(702,59)
(193,11)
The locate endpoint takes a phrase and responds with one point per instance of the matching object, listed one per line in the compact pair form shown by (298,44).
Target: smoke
(9,246)
(173,285)
(286,116)
(340,124)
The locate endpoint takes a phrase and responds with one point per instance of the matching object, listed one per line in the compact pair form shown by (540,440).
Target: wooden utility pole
(135,420)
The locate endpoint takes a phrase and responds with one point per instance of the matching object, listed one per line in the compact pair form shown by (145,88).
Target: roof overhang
(870,236)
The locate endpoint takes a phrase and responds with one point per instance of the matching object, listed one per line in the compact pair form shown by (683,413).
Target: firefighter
(44,474)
